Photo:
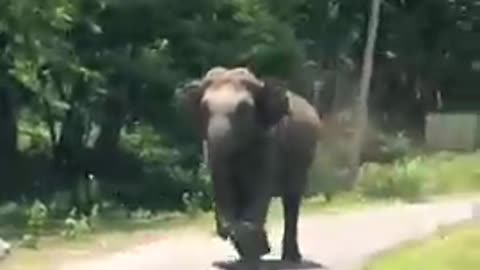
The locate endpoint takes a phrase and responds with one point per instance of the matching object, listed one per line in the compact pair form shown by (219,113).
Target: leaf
(60,105)
(95,28)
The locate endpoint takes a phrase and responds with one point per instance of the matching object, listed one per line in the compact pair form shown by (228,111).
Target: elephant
(261,139)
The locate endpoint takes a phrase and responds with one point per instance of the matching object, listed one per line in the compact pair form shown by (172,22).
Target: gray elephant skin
(261,140)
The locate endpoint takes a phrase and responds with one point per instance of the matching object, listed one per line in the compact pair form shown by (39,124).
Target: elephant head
(232,107)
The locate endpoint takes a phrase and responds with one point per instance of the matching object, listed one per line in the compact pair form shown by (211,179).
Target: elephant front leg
(250,238)
(224,215)
(224,197)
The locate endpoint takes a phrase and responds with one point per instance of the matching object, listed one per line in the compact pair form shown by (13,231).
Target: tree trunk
(49,119)
(8,138)
(69,149)
(111,126)
(362,103)
(8,123)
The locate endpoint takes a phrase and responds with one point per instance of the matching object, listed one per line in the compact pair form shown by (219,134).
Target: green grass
(114,232)
(449,172)
(115,221)
(446,174)
(422,176)
(455,250)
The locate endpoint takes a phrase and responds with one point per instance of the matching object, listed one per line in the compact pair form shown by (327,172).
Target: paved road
(336,242)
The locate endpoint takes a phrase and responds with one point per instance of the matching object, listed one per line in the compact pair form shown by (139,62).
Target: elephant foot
(246,250)
(251,265)
(244,265)
(250,243)
(292,255)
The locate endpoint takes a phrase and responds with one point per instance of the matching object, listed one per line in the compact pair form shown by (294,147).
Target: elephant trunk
(218,145)
(219,137)
(248,236)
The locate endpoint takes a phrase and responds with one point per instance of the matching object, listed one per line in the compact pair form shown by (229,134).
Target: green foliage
(148,145)
(396,146)
(415,178)
(404,179)
(37,218)
(87,86)
(75,226)
(193,202)
(140,214)
(453,172)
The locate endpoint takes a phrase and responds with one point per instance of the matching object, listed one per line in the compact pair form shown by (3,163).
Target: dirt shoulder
(343,241)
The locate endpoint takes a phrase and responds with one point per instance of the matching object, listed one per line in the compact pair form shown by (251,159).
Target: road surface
(335,242)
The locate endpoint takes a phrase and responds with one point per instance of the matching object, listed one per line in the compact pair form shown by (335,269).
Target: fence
(453,131)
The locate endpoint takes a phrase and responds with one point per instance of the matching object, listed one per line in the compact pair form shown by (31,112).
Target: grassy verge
(452,250)
(115,233)
(422,176)
(443,173)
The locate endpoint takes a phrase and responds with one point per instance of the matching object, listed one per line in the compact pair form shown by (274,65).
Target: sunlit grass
(454,172)
(422,176)
(456,250)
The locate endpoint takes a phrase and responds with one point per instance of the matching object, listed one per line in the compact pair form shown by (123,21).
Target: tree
(362,103)
(94,80)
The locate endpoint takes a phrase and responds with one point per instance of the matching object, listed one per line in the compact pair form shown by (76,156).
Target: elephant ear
(272,102)
(270,96)
(188,98)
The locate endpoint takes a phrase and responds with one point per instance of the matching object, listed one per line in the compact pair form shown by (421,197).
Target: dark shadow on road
(271,265)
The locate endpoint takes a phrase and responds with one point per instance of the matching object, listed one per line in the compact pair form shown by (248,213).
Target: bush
(193,202)
(409,179)
(384,147)
(396,146)
(406,179)
(168,177)
(75,227)
(37,217)
(413,178)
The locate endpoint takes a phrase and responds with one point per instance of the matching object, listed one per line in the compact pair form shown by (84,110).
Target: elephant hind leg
(294,185)
(291,209)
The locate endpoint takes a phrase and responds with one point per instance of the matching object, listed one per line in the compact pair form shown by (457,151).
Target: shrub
(383,147)
(193,202)
(409,179)
(76,226)
(141,214)
(168,176)
(37,217)
(396,146)
(404,179)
